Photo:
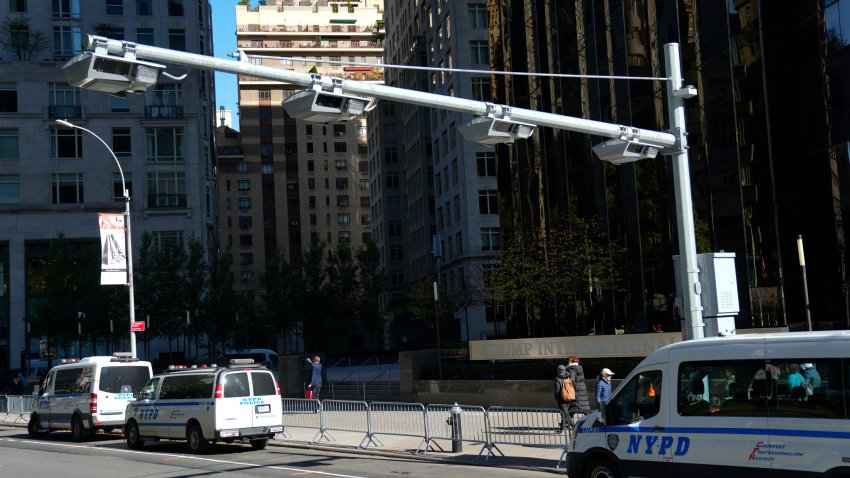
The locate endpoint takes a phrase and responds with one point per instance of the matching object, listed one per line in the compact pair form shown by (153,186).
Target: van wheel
(34,427)
(134,439)
(259,444)
(195,440)
(601,468)
(78,431)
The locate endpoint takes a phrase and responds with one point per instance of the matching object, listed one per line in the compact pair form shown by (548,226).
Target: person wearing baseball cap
(603,386)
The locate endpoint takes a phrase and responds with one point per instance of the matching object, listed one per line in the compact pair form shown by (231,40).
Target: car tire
(601,467)
(78,431)
(195,440)
(133,437)
(34,427)
(259,444)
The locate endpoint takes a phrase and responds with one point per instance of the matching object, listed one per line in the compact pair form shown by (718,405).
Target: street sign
(137,326)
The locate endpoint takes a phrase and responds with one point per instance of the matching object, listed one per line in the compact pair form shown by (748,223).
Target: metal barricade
(440,425)
(301,413)
(27,402)
(4,404)
(396,418)
(343,416)
(540,427)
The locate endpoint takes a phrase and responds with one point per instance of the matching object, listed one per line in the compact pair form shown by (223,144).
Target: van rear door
(268,411)
(116,386)
(234,410)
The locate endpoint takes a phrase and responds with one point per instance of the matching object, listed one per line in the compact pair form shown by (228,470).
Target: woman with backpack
(563,403)
(578,407)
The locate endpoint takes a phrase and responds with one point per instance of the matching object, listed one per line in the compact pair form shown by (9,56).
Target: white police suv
(87,395)
(238,402)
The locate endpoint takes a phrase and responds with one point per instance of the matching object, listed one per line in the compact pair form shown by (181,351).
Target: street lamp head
(620,151)
(65,123)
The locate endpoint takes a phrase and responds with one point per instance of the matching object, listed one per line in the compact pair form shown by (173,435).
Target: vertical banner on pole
(113,257)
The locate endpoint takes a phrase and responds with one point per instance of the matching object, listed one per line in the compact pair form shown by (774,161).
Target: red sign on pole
(137,326)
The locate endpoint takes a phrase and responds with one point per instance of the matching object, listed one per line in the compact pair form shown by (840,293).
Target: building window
(397,277)
(175,8)
(494,313)
(18,6)
(364,201)
(68,188)
(477,14)
(164,101)
(457,206)
(177,39)
(479,53)
(312,219)
(488,202)
(486,164)
(246,258)
(118,186)
(8,97)
(362,131)
(490,239)
(362,149)
(342,201)
(10,189)
(267,168)
(246,240)
(9,143)
(164,144)
(245,222)
(66,8)
(121,142)
(244,184)
(366,220)
(167,189)
(342,183)
(247,278)
(341,164)
(344,237)
(481,89)
(459,241)
(364,184)
(243,167)
(392,179)
(144,36)
(144,7)
(394,229)
(343,218)
(339,129)
(67,41)
(396,253)
(119,104)
(340,147)
(64,102)
(115,7)
(66,143)
(244,203)
(311,183)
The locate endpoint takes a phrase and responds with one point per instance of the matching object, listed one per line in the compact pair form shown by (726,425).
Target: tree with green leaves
(222,303)
(279,292)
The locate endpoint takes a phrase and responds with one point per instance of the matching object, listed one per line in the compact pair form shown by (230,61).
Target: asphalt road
(108,456)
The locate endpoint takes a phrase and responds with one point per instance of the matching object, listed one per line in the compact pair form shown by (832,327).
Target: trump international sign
(585,346)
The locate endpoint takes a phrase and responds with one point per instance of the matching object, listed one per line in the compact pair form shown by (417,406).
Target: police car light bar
(69,360)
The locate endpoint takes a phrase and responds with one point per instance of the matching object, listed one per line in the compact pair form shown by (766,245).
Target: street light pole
(128,233)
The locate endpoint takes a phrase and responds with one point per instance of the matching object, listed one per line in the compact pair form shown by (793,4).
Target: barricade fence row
(398,419)
(343,416)
(15,408)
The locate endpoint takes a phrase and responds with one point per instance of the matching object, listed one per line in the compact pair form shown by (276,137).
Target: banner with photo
(113,256)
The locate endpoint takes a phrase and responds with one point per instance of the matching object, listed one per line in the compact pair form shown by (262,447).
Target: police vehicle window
(65,380)
(263,384)
(637,400)
(149,391)
(722,387)
(236,385)
(123,379)
(48,381)
(807,388)
(199,386)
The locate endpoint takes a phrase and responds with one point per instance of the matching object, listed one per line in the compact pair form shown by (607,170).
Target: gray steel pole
(802,257)
(689,272)
(431,100)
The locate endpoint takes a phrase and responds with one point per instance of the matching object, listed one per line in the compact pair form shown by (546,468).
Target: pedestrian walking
(563,403)
(316,378)
(603,386)
(579,406)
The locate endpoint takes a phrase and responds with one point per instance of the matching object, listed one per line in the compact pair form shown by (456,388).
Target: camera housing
(488,130)
(111,74)
(324,107)
(620,151)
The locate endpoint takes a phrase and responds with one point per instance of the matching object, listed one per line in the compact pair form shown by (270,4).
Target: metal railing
(16,408)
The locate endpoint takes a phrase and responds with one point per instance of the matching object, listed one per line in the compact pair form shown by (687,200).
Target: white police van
(87,395)
(749,405)
(199,405)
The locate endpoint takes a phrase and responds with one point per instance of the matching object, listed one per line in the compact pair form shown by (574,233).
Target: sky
(224,42)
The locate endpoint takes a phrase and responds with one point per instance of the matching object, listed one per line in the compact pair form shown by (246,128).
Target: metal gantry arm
(673,143)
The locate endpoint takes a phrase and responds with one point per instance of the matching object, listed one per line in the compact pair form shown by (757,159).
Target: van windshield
(124,379)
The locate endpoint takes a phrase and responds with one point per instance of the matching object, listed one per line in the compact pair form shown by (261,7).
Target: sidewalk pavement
(528,458)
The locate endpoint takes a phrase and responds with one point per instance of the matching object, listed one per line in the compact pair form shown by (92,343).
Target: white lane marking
(188,457)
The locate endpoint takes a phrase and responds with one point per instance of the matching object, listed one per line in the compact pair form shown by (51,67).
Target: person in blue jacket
(316,378)
(603,386)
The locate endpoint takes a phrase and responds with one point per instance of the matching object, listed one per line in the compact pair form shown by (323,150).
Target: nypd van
(201,405)
(88,395)
(749,405)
